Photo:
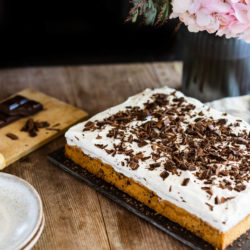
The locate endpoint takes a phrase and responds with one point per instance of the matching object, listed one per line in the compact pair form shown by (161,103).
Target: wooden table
(77,217)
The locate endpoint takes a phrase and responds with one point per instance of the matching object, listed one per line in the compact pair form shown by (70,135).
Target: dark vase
(215,67)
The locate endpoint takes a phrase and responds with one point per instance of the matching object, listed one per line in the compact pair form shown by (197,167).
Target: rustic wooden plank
(74,219)
(53,81)
(72,211)
(169,73)
(55,113)
(127,231)
(99,87)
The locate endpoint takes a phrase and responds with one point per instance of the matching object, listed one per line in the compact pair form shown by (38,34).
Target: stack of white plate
(21,214)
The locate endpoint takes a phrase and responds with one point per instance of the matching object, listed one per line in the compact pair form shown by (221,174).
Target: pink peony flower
(223,17)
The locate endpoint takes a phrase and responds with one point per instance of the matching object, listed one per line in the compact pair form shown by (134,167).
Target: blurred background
(44,32)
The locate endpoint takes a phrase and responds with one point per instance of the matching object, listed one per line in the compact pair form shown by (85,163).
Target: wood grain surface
(76,216)
(55,112)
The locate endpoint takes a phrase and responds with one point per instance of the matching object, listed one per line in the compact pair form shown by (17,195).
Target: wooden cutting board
(56,113)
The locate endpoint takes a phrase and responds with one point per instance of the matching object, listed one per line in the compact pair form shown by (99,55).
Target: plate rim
(36,237)
(38,199)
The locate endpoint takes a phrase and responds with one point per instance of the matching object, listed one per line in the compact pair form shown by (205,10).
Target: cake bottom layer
(200,228)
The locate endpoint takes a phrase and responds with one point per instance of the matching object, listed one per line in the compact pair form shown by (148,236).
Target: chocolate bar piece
(10,106)
(17,107)
(28,108)
(7,119)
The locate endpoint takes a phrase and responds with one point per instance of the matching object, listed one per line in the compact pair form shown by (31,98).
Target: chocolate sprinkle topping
(218,200)
(134,165)
(210,206)
(164,175)
(185,182)
(181,139)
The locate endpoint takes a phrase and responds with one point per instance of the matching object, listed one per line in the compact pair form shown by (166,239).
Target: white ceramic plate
(20,212)
(36,237)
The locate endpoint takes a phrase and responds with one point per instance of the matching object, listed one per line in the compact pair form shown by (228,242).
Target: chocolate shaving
(210,206)
(185,182)
(240,188)
(134,165)
(56,125)
(101,146)
(42,124)
(218,200)
(54,129)
(154,166)
(12,136)
(218,169)
(222,121)
(241,140)
(209,190)
(164,174)
(32,127)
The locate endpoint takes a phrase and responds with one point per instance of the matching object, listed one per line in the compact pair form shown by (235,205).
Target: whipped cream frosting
(191,197)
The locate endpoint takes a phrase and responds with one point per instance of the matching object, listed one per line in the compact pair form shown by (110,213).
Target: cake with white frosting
(181,158)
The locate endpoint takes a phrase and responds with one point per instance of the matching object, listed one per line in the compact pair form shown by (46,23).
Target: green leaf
(153,11)
(135,15)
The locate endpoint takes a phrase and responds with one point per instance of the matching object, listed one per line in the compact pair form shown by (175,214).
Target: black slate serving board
(59,159)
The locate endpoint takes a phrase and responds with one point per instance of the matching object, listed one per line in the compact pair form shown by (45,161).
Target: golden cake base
(200,228)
